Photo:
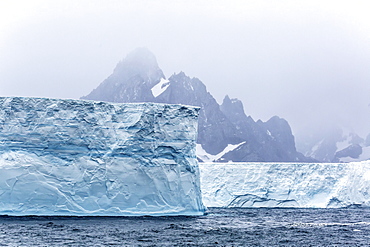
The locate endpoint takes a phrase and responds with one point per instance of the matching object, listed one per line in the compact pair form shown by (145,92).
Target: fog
(305,61)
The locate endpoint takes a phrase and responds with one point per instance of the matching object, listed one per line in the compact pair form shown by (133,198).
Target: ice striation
(76,157)
(305,185)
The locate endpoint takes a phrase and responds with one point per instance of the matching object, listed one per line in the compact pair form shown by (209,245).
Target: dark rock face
(138,78)
(213,124)
(353,151)
(131,80)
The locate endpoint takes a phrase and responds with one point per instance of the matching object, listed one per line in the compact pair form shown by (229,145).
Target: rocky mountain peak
(139,63)
(132,79)
(232,105)
(280,130)
(225,132)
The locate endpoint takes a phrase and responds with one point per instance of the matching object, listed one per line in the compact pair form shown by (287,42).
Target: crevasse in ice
(75,157)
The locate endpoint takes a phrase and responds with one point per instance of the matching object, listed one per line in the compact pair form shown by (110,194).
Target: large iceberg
(76,157)
(305,185)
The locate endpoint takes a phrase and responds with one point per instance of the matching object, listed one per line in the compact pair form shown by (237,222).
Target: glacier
(301,185)
(77,157)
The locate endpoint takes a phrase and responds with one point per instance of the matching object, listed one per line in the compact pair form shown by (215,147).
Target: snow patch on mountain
(343,144)
(160,87)
(206,157)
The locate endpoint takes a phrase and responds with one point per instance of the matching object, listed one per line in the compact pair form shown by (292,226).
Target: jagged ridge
(225,132)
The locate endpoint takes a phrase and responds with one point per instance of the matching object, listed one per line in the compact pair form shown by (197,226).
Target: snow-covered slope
(159,88)
(75,157)
(285,184)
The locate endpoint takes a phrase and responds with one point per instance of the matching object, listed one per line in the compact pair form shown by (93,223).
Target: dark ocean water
(221,227)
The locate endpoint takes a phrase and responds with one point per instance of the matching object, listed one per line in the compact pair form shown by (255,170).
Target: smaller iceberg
(76,157)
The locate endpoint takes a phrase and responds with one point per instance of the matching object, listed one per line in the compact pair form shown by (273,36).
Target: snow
(206,157)
(75,157)
(160,87)
(302,185)
(346,141)
(316,147)
(343,144)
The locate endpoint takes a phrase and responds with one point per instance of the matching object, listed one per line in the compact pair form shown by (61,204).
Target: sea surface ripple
(220,227)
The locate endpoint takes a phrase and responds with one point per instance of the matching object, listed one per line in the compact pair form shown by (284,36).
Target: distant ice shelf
(302,185)
(75,157)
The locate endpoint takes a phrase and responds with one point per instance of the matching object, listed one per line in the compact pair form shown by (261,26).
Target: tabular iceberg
(75,157)
(303,185)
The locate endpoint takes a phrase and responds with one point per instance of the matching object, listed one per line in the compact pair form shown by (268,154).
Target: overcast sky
(305,61)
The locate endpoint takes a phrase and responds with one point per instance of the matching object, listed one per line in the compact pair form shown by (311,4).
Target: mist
(307,62)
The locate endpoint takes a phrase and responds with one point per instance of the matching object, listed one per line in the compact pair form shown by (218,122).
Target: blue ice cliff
(76,157)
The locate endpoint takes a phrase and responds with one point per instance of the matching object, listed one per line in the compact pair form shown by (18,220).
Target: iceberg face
(302,185)
(75,157)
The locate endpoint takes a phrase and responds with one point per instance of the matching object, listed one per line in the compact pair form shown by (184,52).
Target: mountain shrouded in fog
(304,61)
(225,132)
